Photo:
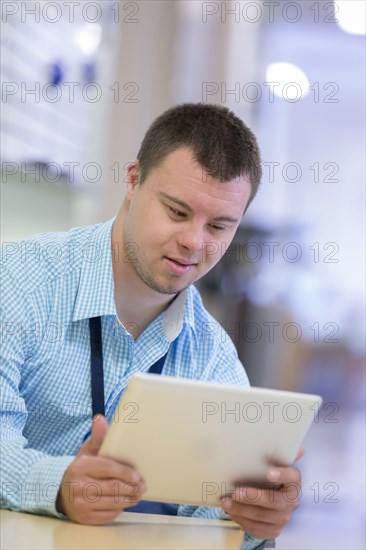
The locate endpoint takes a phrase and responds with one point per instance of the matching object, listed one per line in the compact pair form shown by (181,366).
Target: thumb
(300,453)
(99,430)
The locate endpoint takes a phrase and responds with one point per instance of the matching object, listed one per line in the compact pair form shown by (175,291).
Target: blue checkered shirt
(52,283)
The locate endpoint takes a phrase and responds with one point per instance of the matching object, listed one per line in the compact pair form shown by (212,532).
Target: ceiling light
(287,81)
(351,16)
(88,38)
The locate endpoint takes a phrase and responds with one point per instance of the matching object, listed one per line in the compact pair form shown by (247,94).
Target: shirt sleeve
(249,543)
(29,479)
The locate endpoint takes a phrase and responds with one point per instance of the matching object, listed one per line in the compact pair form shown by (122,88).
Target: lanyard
(96,366)
(97,391)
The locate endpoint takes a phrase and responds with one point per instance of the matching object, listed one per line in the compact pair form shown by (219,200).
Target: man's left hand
(263,512)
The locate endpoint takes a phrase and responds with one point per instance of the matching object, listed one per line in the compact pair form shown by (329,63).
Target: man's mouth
(179,266)
(182,261)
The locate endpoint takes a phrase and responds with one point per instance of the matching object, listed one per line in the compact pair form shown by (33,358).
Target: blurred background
(82,81)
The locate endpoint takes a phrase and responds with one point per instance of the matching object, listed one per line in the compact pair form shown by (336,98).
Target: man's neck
(135,311)
(137,305)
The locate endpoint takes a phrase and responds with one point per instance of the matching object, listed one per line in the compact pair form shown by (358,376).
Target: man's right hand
(94,489)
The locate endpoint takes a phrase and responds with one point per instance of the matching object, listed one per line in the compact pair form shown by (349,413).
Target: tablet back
(193,441)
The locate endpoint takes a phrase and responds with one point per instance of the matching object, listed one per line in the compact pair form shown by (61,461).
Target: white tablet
(194,441)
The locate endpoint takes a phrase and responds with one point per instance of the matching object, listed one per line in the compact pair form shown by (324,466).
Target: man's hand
(263,512)
(95,490)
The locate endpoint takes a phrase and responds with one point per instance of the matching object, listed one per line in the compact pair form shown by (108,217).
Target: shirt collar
(95,296)
(180,311)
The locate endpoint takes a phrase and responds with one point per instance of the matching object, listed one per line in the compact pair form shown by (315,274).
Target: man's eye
(176,213)
(218,227)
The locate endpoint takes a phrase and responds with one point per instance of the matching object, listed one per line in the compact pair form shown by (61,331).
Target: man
(197,170)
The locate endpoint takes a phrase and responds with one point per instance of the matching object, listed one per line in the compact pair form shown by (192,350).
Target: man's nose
(191,237)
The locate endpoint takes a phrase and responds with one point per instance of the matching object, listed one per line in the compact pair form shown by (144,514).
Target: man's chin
(164,283)
(168,287)
(171,290)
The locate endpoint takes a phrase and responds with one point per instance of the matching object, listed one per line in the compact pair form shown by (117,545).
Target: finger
(285,474)
(256,513)
(93,490)
(92,498)
(260,530)
(99,517)
(300,453)
(107,468)
(120,488)
(267,499)
(99,431)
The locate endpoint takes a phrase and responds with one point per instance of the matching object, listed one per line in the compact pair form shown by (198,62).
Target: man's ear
(133,177)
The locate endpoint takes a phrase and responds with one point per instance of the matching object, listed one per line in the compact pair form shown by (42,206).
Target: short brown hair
(221,143)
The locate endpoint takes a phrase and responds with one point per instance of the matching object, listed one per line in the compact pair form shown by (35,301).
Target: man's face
(180,222)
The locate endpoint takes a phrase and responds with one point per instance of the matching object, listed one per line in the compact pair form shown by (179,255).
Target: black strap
(157,367)
(97,391)
(96,365)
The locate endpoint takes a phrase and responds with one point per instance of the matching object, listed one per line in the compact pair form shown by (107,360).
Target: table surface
(129,530)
